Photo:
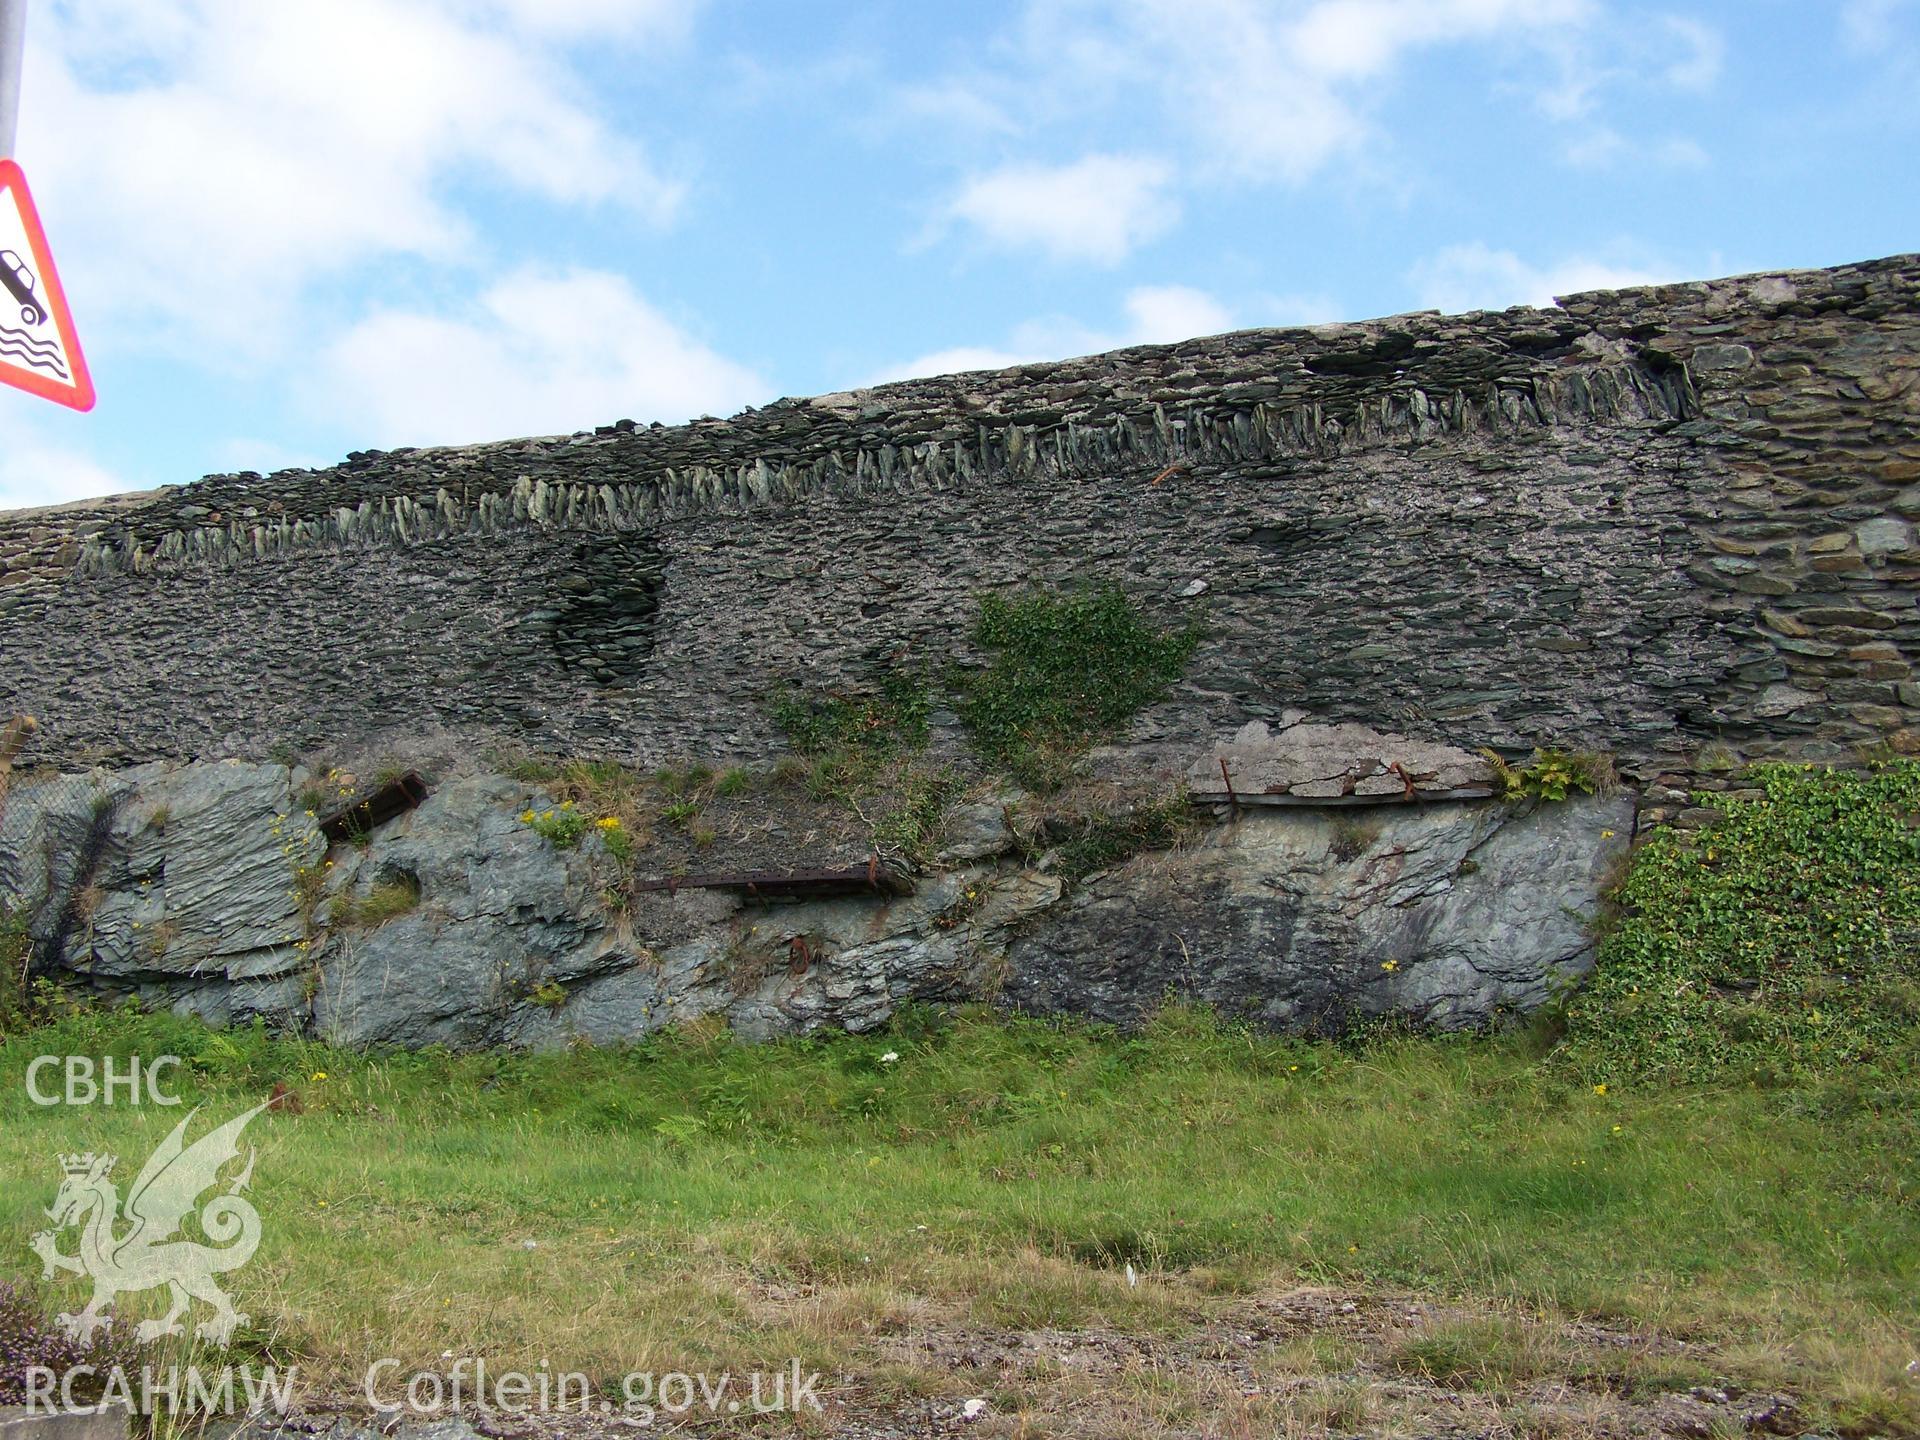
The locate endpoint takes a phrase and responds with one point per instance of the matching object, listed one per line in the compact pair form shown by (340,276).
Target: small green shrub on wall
(1553,775)
(1068,668)
(1782,942)
(891,721)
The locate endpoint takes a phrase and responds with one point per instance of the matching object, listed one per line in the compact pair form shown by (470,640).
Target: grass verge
(690,1203)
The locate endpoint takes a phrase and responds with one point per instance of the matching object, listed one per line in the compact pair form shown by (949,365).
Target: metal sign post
(39,351)
(13,40)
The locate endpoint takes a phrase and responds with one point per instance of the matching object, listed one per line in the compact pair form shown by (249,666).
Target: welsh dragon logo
(146,1254)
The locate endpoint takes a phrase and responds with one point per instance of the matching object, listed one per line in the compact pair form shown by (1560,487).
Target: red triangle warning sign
(39,351)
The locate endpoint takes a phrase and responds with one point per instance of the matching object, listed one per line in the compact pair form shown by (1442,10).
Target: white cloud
(245,452)
(36,470)
(958,360)
(595,19)
(1478,277)
(1358,39)
(1680,153)
(952,105)
(1161,313)
(1099,208)
(1603,147)
(1701,50)
(214,160)
(1871,26)
(1259,91)
(1154,315)
(539,353)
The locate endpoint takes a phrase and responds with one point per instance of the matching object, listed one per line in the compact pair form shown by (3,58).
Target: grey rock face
(1305,920)
(209,891)
(501,912)
(162,871)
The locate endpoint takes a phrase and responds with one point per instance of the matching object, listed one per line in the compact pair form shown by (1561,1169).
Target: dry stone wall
(1675,523)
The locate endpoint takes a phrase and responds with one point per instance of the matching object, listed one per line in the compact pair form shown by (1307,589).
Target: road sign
(39,351)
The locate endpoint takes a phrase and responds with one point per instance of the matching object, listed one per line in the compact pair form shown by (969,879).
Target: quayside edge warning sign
(39,351)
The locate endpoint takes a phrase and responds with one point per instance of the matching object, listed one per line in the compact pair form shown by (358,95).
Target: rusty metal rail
(872,878)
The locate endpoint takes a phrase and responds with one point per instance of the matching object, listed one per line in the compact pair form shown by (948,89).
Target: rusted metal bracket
(1227,780)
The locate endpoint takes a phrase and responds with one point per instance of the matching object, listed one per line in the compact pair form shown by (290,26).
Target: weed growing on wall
(890,720)
(604,797)
(30,1341)
(1101,840)
(1778,943)
(1068,668)
(919,800)
(386,900)
(560,826)
(1553,775)
(862,750)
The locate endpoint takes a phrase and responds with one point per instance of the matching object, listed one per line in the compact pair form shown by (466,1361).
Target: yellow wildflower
(1389,964)
(1600,1089)
(608,822)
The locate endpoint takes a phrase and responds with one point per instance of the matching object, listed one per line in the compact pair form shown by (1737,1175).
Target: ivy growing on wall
(1782,941)
(1067,669)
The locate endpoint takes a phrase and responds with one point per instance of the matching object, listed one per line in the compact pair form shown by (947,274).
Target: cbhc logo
(87,1080)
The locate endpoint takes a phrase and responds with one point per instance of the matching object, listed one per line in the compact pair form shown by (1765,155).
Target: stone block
(1886,536)
(1830,616)
(1334,762)
(1722,358)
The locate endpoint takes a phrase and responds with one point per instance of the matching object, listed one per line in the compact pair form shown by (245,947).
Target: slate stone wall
(1675,523)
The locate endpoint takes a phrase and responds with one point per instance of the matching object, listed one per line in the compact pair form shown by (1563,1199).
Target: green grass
(387,900)
(15,983)
(1007,1172)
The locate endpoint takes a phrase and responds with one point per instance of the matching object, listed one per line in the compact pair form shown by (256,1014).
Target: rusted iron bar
(872,878)
(1227,780)
(1423,797)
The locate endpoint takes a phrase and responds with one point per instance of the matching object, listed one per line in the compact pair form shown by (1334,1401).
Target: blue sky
(293,228)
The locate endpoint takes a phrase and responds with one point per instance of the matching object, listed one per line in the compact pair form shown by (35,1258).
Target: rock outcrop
(207,888)
(1451,914)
